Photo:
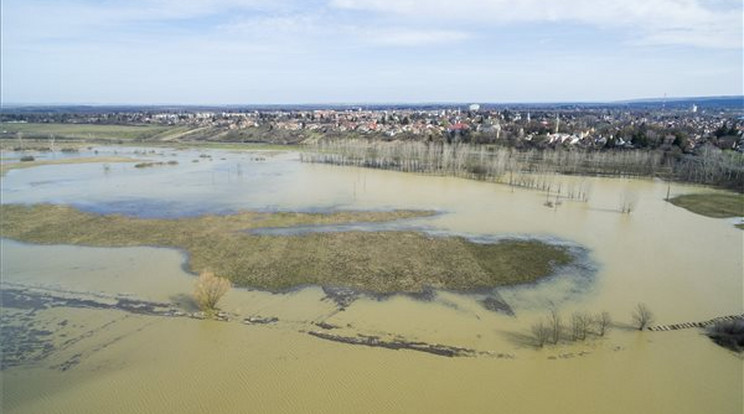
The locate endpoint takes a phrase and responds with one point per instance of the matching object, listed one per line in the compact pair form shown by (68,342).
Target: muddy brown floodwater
(685,267)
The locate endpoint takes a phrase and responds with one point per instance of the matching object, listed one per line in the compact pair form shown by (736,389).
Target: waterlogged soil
(380,262)
(684,266)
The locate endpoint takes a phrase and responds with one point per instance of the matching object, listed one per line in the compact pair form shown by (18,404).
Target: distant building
(474,107)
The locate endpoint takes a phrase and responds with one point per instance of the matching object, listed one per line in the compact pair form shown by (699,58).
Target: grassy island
(712,205)
(381,262)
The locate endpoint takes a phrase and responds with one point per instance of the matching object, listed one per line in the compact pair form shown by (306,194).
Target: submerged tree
(556,326)
(580,323)
(541,333)
(602,321)
(642,316)
(209,289)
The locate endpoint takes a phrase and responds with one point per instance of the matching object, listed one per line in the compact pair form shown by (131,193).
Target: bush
(642,316)
(728,334)
(580,325)
(209,289)
(27,158)
(556,326)
(602,321)
(541,333)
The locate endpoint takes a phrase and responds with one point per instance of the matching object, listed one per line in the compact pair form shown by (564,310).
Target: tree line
(531,168)
(581,325)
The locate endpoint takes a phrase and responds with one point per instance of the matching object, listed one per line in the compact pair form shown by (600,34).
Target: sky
(367,51)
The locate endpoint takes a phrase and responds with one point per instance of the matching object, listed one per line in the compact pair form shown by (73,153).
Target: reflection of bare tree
(628,201)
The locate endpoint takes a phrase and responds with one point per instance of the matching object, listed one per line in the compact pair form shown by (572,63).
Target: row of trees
(551,330)
(531,168)
(581,325)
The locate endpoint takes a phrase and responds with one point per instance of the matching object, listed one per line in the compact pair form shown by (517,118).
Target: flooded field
(85,356)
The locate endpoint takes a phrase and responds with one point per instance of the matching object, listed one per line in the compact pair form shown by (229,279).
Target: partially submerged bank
(378,262)
(5,167)
(712,205)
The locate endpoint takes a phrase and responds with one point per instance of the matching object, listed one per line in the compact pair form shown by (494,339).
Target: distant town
(682,125)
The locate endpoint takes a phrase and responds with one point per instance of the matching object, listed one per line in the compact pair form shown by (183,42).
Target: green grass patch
(712,205)
(83,131)
(381,262)
(5,167)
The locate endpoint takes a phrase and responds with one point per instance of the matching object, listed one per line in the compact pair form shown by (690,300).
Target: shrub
(541,333)
(209,289)
(728,334)
(556,326)
(27,158)
(580,324)
(602,321)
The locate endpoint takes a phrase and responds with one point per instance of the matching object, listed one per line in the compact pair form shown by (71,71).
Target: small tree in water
(556,326)
(603,322)
(209,289)
(541,333)
(642,316)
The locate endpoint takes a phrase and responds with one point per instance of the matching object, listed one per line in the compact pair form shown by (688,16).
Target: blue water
(224,183)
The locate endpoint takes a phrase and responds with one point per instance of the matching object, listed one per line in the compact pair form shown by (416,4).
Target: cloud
(35,20)
(714,24)
(281,23)
(332,50)
(405,37)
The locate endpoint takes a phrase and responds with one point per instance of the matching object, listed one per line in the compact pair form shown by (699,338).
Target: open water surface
(684,266)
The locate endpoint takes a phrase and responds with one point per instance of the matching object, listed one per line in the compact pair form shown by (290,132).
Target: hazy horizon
(670,99)
(287,52)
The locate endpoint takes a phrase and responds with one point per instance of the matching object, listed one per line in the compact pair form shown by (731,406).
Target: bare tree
(602,322)
(506,166)
(580,322)
(541,333)
(642,316)
(209,289)
(556,326)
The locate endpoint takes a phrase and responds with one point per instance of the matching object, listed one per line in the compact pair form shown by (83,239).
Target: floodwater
(685,267)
